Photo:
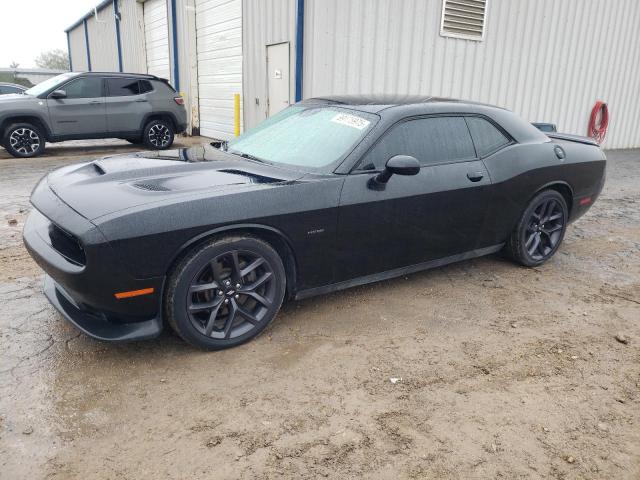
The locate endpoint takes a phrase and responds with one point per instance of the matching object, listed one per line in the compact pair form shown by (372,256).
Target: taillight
(179,100)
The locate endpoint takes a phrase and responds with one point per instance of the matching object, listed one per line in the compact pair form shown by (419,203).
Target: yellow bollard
(236,114)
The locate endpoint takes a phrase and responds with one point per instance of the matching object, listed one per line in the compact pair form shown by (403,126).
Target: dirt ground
(481,369)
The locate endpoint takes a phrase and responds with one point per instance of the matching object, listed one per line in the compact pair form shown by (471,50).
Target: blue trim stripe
(69,53)
(86,42)
(299,48)
(174,32)
(116,15)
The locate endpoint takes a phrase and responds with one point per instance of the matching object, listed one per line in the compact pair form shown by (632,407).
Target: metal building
(547,60)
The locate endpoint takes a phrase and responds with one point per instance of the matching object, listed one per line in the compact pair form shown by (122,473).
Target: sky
(29,27)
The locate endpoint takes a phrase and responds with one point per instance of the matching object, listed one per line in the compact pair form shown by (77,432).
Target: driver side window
(86,87)
(430,140)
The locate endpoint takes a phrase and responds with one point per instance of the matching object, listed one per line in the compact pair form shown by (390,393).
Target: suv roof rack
(122,74)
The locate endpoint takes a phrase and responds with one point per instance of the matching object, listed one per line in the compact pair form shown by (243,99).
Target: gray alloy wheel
(158,135)
(23,140)
(540,230)
(225,292)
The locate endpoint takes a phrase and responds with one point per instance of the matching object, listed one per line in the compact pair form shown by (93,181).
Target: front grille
(66,245)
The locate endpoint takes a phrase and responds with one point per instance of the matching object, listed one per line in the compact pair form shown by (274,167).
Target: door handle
(142,100)
(475,176)
(95,102)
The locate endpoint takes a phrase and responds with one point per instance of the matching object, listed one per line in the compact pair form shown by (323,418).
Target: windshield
(47,85)
(309,137)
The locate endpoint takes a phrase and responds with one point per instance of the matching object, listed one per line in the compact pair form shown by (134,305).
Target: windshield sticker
(351,121)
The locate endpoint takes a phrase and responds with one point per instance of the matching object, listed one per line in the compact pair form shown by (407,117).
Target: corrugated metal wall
(547,60)
(78,49)
(132,36)
(264,23)
(219,56)
(187,59)
(102,41)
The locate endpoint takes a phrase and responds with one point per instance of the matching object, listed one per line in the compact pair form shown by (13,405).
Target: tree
(14,65)
(55,59)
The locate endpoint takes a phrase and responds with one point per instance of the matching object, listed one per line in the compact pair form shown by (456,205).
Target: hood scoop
(152,187)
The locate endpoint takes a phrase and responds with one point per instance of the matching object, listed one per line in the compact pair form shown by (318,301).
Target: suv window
(85,87)
(145,86)
(122,87)
(486,137)
(431,140)
(9,89)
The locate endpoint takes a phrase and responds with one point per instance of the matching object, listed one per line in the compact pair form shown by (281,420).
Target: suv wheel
(158,135)
(23,140)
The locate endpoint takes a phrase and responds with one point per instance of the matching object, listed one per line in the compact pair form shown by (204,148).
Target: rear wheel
(158,135)
(225,292)
(23,140)
(540,230)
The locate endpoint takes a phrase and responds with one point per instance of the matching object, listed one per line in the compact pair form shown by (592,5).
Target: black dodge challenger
(327,194)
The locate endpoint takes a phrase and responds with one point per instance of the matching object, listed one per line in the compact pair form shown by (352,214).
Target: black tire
(540,230)
(23,140)
(158,135)
(225,292)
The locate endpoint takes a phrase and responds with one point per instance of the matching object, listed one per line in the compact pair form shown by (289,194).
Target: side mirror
(58,94)
(397,165)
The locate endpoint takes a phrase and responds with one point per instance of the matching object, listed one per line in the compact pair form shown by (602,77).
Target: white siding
(219,54)
(156,34)
(78,49)
(264,23)
(102,41)
(188,60)
(132,36)
(547,60)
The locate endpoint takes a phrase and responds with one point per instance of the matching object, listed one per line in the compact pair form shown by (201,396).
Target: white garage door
(219,50)
(156,36)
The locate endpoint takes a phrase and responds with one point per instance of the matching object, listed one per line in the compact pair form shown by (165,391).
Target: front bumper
(94,324)
(84,291)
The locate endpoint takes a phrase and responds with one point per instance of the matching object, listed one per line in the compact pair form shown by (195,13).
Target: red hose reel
(598,121)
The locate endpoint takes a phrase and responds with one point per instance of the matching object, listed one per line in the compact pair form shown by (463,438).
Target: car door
(127,104)
(435,214)
(82,111)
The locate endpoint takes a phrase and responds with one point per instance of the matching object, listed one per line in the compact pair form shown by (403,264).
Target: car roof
(17,85)
(376,102)
(394,108)
(120,74)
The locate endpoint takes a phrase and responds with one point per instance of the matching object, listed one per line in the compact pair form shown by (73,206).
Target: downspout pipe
(69,53)
(174,35)
(116,14)
(86,42)
(299,48)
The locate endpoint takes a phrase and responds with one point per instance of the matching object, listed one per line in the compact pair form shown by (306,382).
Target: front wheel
(158,135)
(540,230)
(23,140)
(225,292)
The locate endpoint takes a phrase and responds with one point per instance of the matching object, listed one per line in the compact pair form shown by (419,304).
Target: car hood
(10,99)
(113,184)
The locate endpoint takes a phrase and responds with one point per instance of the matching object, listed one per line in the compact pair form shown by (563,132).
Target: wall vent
(463,19)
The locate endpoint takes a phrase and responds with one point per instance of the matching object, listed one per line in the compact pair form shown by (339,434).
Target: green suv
(139,108)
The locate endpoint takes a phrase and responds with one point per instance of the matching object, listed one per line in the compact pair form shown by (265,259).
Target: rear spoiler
(572,138)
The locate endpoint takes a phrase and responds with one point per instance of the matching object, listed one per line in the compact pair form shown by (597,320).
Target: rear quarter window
(123,87)
(486,136)
(145,86)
